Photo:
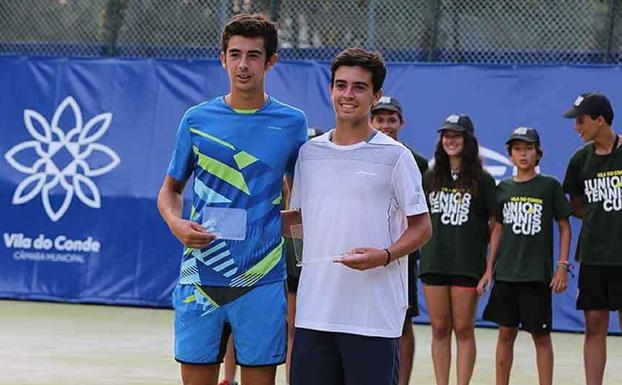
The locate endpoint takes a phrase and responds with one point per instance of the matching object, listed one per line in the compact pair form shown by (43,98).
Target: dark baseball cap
(457,123)
(387,103)
(591,103)
(525,134)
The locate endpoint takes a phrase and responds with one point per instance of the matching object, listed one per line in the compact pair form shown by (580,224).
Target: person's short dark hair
(370,60)
(256,25)
(593,104)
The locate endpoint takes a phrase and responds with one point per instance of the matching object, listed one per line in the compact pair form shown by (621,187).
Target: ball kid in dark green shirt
(521,243)
(594,182)
(521,256)
(460,195)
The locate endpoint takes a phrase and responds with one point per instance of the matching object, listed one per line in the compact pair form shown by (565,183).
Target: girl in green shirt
(461,197)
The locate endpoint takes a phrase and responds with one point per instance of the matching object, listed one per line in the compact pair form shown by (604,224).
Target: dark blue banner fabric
(85,145)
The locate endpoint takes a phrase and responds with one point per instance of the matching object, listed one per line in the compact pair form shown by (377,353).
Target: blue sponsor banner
(85,145)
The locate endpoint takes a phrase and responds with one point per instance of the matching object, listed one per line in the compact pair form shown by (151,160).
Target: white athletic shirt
(354,196)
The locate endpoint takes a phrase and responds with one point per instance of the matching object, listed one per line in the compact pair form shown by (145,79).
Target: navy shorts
(293,270)
(413,305)
(330,358)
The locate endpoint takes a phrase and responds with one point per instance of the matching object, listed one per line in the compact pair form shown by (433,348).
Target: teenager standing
(521,256)
(461,197)
(594,182)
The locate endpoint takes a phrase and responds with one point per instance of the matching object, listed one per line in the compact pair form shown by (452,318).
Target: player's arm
(170,204)
(286,190)
(416,235)
(577,204)
(560,279)
(495,241)
(289,217)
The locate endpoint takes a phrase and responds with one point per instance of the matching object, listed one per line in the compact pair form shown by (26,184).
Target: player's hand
(363,258)
(560,280)
(191,234)
(484,283)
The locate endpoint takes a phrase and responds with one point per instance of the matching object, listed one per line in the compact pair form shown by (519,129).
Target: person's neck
(348,132)
(603,141)
(246,100)
(525,175)
(454,163)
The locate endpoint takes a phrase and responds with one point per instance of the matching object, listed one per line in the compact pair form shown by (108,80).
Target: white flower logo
(51,142)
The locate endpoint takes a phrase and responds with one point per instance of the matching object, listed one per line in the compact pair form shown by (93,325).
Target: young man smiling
(363,210)
(594,182)
(237,147)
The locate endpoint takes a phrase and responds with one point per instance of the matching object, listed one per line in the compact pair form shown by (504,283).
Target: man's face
(245,63)
(524,155)
(387,122)
(587,127)
(352,93)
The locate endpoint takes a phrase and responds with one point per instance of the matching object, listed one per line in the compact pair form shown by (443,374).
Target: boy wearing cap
(594,182)
(386,117)
(521,256)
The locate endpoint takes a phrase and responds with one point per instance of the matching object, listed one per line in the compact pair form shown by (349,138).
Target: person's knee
(441,329)
(542,340)
(259,375)
(507,335)
(199,374)
(595,326)
(464,331)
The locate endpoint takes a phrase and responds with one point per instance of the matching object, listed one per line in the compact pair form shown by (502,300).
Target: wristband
(563,264)
(388,257)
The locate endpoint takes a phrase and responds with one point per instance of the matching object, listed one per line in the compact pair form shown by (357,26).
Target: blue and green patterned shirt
(237,159)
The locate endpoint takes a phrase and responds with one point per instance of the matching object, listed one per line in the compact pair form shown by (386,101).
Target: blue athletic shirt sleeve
(300,140)
(181,164)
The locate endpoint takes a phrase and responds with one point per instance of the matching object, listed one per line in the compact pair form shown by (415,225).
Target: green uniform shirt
(526,211)
(459,229)
(422,163)
(421,160)
(598,179)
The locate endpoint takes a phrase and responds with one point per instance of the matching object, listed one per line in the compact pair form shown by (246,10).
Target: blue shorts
(257,320)
(329,358)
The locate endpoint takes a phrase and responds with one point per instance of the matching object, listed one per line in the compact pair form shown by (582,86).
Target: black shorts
(292,284)
(413,303)
(293,270)
(330,358)
(600,288)
(521,304)
(434,279)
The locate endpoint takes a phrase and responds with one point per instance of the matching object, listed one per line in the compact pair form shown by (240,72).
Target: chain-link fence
(469,31)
